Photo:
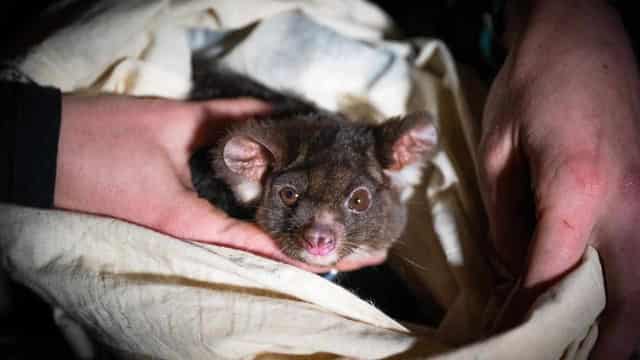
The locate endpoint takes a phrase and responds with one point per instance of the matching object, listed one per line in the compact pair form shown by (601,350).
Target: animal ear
(404,145)
(246,157)
(242,162)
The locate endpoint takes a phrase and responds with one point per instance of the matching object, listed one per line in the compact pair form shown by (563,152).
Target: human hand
(128,157)
(560,156)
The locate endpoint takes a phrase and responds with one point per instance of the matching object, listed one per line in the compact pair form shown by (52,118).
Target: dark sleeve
(29,132)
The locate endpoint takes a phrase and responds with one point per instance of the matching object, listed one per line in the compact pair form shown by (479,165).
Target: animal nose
(319,240)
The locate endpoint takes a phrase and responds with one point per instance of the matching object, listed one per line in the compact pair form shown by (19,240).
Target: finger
(235,108)
(554,253)
(195,219)
(570,196)
(349,264)
(503,177)
(217,116)
(505,187)
(192,218)
(567,207)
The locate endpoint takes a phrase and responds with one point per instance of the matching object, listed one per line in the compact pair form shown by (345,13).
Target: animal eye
(289,195)
(360,200)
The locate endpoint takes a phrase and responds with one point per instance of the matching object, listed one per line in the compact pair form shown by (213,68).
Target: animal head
(325,188)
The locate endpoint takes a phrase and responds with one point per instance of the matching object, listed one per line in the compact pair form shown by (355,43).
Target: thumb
(235,108)
(193,218)
(566,214)
(568,206)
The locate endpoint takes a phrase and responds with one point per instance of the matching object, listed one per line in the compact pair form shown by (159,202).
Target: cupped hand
(127,158)
(560,161)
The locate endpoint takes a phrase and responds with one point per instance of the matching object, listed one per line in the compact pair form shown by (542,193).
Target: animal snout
(319,240)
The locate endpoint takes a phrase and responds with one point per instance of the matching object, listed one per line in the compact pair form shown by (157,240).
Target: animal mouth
(319,251)
(320,247)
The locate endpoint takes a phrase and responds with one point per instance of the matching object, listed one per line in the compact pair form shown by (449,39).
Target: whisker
(413,263)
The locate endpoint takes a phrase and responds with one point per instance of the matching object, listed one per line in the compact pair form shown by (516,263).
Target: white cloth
(147,294)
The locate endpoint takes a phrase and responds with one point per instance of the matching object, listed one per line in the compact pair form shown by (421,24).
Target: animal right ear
(242,162)
(246,157)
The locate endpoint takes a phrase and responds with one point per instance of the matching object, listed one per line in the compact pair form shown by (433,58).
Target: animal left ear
(404,146)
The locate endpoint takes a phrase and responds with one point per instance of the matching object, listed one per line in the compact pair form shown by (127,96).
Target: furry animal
(322,186)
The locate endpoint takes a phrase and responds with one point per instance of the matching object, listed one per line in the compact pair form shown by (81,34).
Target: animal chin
(323,255)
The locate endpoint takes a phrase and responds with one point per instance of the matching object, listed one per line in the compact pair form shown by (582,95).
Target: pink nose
(319,240)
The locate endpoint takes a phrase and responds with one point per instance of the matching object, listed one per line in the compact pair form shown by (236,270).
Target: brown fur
(324,158)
